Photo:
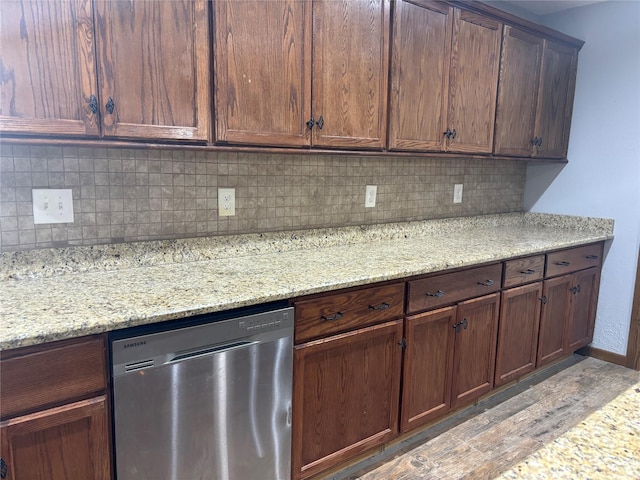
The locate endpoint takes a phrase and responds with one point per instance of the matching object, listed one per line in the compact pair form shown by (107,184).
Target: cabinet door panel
(518,332)
(428,363)
(153,61)
(346,391)
(553,319)
(47,67)
(555,99)
(420,75)
(473,81)
(475,349)
(263,72)
(583,308)
(350,71)
(69,442)
(517,93)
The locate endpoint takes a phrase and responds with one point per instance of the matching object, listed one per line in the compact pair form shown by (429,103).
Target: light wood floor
(496,434)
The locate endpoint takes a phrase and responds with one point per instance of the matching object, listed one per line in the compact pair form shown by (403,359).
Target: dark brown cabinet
(336,49)
(535,96)
(346,395)
(474,352)
(55,412)
(137,70)
(428,367)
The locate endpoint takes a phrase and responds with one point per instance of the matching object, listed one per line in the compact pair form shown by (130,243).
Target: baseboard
(605,355)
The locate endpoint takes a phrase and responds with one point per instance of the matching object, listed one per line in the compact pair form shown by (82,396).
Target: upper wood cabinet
(555,99)
(420,75)
(444,77)
(473,82)
(148,79)
(270,56)
(262,68)
(153,68)
(535,96)
(47,73)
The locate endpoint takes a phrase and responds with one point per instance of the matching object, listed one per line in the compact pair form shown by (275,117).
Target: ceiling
(545,7)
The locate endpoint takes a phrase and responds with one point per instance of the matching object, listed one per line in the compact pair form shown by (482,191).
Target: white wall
(602,178)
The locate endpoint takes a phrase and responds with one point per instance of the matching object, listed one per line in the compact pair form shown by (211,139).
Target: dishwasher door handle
(206,351)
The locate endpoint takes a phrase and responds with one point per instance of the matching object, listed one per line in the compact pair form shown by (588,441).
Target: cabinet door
(420,75)
(350,71)
(69,442)
(153,68)
(475,349)
(555,99)
(584,298)
(346,391)
(517,93)
(428,363)
(262,70)
(553,319)
(473,82)
(518,332)
(47,67)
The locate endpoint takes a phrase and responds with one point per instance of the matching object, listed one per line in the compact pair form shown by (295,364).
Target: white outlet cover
(370,196)
(52,205)
(226,202)
(457,193)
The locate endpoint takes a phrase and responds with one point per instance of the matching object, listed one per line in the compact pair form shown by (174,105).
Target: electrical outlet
(52,205)
(370,196)
(457,193)
(226,202)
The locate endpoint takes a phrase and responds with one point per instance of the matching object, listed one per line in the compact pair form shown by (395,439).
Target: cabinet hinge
(403,343)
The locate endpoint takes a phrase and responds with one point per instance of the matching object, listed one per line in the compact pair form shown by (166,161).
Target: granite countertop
(54,294)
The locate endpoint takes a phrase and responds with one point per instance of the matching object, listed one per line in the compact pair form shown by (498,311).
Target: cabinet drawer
(448,288)
(573,259)
(523,270)
(52,375)
(339,312)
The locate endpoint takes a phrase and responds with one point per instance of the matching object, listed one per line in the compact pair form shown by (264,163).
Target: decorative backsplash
(124,195)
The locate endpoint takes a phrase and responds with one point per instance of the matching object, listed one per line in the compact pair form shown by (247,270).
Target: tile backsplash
(123,195)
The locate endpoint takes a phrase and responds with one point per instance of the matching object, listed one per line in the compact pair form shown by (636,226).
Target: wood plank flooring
(499,433)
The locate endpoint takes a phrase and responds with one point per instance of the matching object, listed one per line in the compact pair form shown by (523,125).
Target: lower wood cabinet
(346,396)
(69,442)
(55,411)
(518,332)
(474,352)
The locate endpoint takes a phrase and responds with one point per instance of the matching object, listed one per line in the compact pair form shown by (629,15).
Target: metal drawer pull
(528,271)
(382,306)
(333,318)
(563,264)
(486,283)
(438,294)
(592,257)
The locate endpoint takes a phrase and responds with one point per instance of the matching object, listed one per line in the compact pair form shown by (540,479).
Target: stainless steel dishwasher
(207,401)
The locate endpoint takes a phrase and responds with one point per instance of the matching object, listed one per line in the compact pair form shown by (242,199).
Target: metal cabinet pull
(575,289)
(448,133)
(438,294)
(320,122)
(544,299)
(93,104)
(454,133)
(382,306)
(486,283)
(460,325)
(110,106)
(592,257)
(332,318)
(563,264)
(3,468)
(310,123)
(528,271)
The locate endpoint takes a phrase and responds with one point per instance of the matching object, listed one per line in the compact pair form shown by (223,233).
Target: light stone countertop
(47,295)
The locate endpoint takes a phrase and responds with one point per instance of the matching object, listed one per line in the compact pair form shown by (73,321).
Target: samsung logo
(135,344)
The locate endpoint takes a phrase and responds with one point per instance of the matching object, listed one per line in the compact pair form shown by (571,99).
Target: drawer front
(340,312)
(574,259)
(523,270)
(449,288)
(53,375)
